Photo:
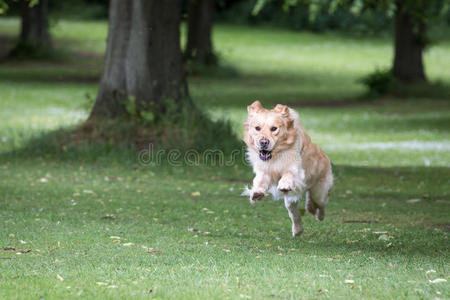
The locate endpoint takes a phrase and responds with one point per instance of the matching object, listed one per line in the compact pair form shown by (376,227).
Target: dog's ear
(282,109)
(254,107)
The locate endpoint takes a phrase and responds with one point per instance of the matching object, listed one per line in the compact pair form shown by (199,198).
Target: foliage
(3,7)
(380,82)
(298,18)
(79,9)
(422,11)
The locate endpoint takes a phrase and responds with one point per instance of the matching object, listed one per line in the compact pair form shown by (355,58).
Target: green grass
(385,153)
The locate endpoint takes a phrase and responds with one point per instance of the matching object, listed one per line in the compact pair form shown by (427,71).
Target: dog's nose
(264,143)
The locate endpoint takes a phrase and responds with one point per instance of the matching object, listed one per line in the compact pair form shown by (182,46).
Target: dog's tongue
(265,155)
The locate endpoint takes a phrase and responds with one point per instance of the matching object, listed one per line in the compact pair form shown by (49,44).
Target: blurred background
(367,78)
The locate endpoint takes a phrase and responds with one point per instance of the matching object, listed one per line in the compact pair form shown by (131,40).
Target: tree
(409,42)
(143,66)
(199,46)
(34,34)
(411,18)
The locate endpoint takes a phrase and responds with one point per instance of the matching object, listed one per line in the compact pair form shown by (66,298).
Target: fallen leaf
(438,280)
(59,277)
(227,250)
(154,251)
(109,216)
(101,283)
(24,251)
(193,230)
(112,287)
(383,237)
(349,281)
(115,237)
(195,194)
(111,178)
(9,248)
(44,180)
(360,221)
(128,244)
(431,271)
(413,200)
(380,232)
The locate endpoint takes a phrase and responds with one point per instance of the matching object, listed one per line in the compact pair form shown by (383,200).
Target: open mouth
(265,155)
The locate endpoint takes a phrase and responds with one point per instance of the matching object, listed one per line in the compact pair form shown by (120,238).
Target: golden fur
(285,162)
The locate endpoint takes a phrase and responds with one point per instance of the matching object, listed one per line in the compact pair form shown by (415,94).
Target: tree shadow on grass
(61,67)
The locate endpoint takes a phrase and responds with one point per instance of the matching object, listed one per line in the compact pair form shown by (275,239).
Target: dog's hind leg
(291,203)
(310,206)
(317,199)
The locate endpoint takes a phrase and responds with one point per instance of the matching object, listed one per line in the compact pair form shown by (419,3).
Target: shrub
(380,82)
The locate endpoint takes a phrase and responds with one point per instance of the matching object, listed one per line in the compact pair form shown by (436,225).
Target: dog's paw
(320,214)
(297,230)
(285,186)
(257,196)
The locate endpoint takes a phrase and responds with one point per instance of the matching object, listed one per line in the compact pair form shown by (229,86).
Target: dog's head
(270,131)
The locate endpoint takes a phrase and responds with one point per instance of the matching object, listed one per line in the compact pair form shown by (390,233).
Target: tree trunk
(34,31)
(143,59)
(200,20)
(409,45)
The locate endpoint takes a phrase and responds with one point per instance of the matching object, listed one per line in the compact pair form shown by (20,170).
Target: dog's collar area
(265,155)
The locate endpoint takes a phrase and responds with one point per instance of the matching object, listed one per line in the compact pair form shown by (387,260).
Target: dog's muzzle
(265,155)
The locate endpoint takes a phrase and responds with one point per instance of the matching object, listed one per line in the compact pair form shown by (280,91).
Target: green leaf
(357,7)
(333,6)
(3,7)
(147,116)
(33,3)
(259,5)
(130,106)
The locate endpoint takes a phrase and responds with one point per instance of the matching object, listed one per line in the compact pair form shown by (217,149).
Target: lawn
(100,224)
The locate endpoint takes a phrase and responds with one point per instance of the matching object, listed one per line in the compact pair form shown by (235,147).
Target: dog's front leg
(286,183)
(261,184)
(291,203)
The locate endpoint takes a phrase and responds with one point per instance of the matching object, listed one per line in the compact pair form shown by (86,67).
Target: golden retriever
(285,162)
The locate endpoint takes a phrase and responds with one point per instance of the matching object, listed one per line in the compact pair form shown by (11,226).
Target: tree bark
(143,59)
(199,46)
(409,45)
(34,30)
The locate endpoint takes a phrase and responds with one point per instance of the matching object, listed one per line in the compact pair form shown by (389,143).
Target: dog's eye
(258,128)
(273,128)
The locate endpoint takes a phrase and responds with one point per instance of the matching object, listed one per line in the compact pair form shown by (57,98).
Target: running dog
(285,162)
